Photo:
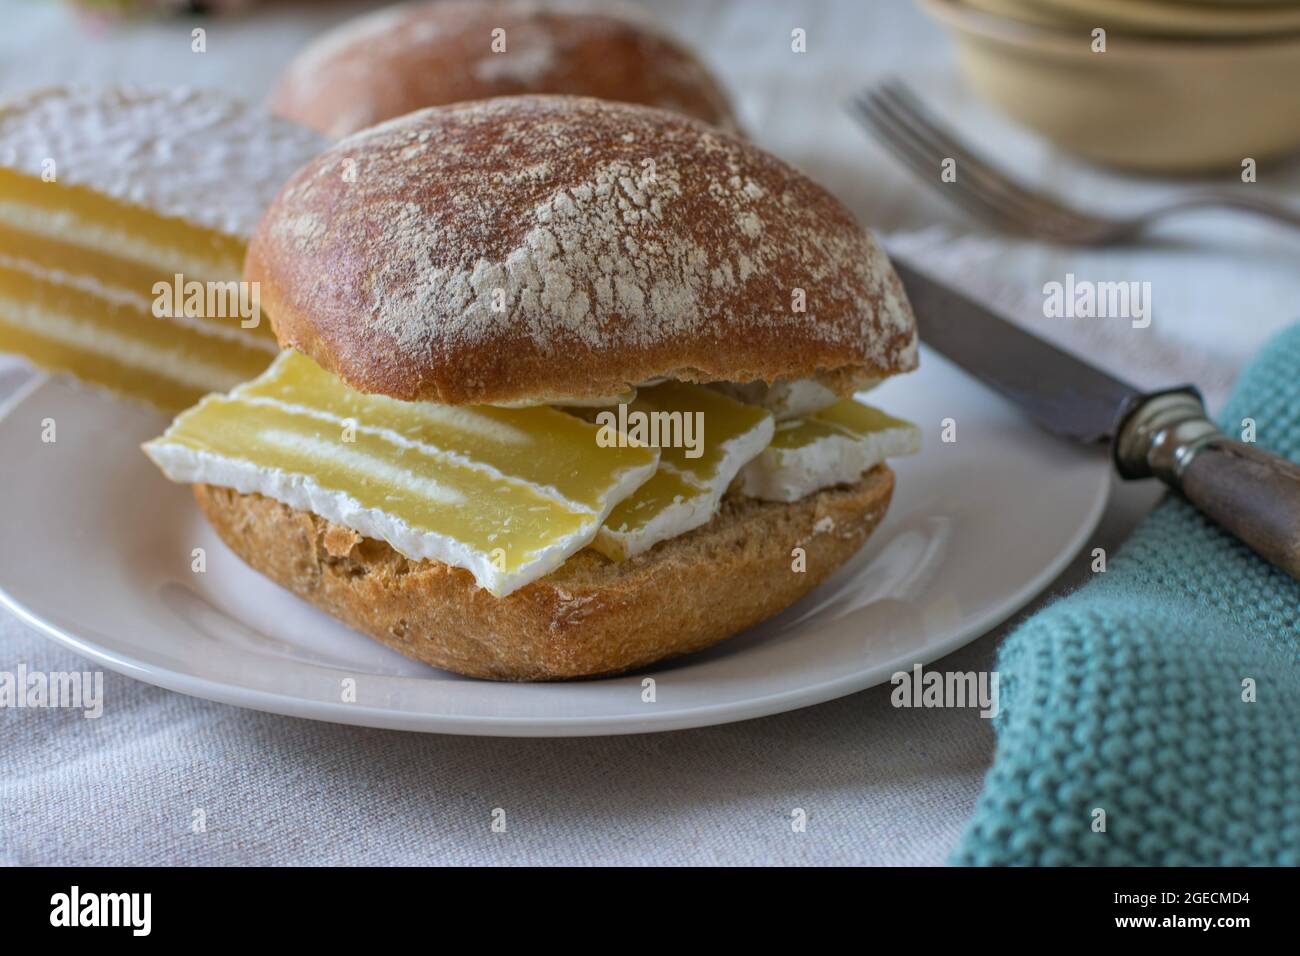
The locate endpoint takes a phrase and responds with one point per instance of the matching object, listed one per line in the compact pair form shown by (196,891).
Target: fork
(910,131)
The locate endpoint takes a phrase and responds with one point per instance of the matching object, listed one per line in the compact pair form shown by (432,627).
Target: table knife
(1164,434)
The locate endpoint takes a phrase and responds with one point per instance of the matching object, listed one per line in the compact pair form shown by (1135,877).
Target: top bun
(534,248)
(409,57)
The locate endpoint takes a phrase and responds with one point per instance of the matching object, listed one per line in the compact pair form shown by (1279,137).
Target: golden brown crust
(530,248)
(590,617)
(408,57)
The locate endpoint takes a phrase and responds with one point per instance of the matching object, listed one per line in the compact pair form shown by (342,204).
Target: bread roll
(412,56)
(592,616)
(542,247)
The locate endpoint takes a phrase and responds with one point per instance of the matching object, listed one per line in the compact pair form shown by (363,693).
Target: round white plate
(98,554)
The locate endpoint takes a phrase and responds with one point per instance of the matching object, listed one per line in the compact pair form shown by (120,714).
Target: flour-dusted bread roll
(539,247)
(565,388)
(407,57)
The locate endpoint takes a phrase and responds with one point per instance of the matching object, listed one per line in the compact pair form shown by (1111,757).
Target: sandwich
(567,389)
(124,218)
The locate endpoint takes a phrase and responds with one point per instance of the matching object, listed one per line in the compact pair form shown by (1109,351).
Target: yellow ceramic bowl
(1156,105)
(1200,19)
(1023,10)
(1168,18)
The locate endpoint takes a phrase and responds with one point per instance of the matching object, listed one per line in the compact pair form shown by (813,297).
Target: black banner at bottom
(210,906)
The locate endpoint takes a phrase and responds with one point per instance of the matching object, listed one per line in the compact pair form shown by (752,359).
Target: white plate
(977,528)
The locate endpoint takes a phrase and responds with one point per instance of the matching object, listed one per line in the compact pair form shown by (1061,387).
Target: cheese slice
(716,436)
(114,201)
(834,446)
(786,398)
(507,494)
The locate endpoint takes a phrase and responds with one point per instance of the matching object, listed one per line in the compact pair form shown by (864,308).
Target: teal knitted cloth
(1127,695)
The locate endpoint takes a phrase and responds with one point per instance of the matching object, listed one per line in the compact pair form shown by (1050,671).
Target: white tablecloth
(879,785)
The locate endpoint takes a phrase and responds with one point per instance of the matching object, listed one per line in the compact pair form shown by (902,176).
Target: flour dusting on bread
(526,235)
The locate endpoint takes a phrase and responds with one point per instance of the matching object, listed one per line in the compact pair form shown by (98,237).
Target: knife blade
(1064,394)
(1165,434)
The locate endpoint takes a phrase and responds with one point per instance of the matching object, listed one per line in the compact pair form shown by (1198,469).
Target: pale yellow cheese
(508,494)
(90,310)
(705,439)
(834,446)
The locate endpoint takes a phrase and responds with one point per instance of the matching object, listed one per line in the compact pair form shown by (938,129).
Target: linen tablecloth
(878,784)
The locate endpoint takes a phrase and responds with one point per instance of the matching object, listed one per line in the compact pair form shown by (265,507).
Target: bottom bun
(590,617)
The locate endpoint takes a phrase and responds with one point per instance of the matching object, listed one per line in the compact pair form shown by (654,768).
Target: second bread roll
(408,57)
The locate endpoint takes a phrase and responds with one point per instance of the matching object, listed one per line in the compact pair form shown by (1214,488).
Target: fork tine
(900,141)
(918,116)
(1039,213)
(976,175)
(925,166)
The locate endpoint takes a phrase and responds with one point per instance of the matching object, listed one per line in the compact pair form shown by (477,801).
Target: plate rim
(682,718)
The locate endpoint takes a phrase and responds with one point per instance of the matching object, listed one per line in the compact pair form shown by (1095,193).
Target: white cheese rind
(139,354)
(786,398)
(133,300)
(191,466)
(788,474)
(679,517)
(65,225)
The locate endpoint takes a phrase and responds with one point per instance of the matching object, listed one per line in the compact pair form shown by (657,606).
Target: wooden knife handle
(1249,492)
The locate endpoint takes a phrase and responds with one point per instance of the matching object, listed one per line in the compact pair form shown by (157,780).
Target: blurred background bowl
(1205,19)
(1157,104)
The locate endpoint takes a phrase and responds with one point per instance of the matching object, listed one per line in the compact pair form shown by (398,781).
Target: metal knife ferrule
(1162,435)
